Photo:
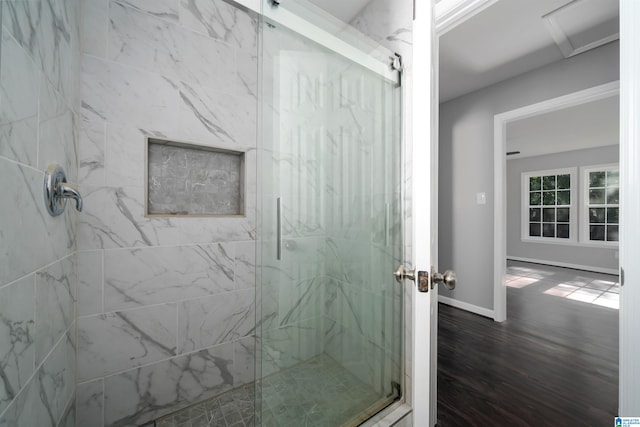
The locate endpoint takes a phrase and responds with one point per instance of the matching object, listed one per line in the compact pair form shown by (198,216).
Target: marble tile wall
(166,305)
(39,105)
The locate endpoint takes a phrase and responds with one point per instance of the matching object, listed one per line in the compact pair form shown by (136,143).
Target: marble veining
(148,43)
(56,378)
(205,322)
(144,335)
(17,322)
(245,265)
(90,281)
(55,299)
(114,217)
(89,403)
(44,400)
(155,275)
(19,107)
(165,9)
(91,153)
(39,76)
(116,93)
(143,394)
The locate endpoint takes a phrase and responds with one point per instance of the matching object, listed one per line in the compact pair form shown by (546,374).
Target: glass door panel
(329,321)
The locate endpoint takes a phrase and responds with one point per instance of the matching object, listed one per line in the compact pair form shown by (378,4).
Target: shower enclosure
(329,314)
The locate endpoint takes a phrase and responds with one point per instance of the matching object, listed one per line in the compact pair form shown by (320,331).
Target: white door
(424,170)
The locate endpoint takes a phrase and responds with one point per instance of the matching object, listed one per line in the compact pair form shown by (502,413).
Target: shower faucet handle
(57,190)
(70,191)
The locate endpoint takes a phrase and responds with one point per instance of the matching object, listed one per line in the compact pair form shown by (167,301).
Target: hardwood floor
(554,362)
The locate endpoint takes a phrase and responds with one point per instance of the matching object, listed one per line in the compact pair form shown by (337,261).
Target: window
(602,204)
(548,212)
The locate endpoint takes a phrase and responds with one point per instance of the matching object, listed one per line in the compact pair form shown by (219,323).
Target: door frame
(629,374)
(450,13)
(500,123)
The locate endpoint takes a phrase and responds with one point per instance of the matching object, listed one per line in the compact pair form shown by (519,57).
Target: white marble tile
(160,104)
(244,354)
(140,395)
(90,280)
(144,41)
(218,19)
(19,82)
(58,137)
(55,304)
(17,324)
(95,24)
(388,23)
(118,341)
(206,230)
(56,378)
(165,9)
(114,217)
(27,409)
(89,403)
(18,140)
(48,30)
(91,153)
(217,319)
(44,400)
(156,275)
(125,156)
(69,415)
(245,265)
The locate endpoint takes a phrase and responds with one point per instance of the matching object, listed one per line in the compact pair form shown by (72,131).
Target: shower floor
(315,393)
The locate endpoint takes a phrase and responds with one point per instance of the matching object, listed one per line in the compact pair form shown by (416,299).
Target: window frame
(573,207)
(585,235)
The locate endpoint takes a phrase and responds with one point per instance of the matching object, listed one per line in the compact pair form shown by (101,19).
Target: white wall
(466,162)
(579,255)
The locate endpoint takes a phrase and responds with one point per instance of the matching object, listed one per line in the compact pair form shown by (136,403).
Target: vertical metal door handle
(278,229)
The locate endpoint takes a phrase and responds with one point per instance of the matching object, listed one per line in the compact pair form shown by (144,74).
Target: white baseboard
(564,264)
(466,306)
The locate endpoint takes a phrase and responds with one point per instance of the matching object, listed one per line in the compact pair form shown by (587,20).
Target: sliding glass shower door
(329,321)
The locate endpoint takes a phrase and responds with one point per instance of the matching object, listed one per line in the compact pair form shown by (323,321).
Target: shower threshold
(318,392)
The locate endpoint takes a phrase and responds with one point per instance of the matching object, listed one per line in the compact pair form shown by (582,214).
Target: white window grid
(549,212)
(600,207)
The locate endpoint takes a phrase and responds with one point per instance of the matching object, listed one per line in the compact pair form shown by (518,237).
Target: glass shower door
(329,321)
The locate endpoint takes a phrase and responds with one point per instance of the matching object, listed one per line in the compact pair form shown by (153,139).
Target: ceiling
(512,37)
(594,124)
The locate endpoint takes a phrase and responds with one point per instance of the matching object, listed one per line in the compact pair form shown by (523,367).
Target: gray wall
(39,74)
(569,254)
(466,162)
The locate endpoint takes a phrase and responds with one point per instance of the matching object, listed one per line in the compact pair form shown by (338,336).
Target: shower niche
(186,179)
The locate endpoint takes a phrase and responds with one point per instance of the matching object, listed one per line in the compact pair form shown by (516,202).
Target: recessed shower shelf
(193,180)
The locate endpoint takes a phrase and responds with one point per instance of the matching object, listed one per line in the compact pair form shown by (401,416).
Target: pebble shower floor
(315,393)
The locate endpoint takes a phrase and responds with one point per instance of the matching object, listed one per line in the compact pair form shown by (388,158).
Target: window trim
(573,207)
(584,205)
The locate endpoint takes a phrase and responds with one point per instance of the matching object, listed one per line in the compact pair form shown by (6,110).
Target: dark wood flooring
(554,362)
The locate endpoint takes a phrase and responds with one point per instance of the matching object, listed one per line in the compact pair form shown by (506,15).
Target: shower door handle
(278,229)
